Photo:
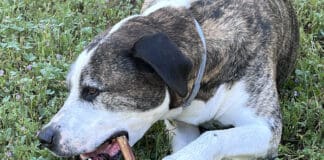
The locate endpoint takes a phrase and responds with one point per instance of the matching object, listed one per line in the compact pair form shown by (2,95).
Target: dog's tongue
(111,149)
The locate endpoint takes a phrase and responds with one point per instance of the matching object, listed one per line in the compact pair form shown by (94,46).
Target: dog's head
(119,84)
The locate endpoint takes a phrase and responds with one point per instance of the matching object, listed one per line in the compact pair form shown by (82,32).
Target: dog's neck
(195,86)
(183,29)
(191,41)
(200,74)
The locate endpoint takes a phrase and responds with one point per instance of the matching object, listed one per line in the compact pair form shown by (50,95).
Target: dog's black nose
(46,137)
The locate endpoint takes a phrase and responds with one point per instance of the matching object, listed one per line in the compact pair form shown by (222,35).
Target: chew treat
(125,148)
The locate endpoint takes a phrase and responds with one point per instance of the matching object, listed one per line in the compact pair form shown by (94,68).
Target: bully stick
(125,148)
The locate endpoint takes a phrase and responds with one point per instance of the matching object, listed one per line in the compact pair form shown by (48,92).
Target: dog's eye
(90,93)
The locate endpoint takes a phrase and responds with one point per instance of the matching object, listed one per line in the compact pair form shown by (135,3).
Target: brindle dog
(148,67)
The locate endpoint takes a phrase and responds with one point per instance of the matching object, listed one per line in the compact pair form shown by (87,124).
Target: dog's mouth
(109,150)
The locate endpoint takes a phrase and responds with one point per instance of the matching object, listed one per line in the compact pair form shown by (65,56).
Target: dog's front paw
(177,156)
(169,158)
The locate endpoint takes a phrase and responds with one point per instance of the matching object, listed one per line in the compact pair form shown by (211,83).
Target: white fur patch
(76,69)
(246,142)
(116,27)
(167,3)
(120,23)
(228,106)
(250,138)
(182,134)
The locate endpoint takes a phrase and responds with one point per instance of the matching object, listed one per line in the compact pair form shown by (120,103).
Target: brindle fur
(257,45)
(241,41)
(250,40)
(123,74)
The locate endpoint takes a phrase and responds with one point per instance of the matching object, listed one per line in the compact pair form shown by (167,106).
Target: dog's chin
(109,150)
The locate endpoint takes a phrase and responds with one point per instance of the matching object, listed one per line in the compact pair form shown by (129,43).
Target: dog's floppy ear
(166,59)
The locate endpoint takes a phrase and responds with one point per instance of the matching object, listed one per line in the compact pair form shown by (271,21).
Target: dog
(198,65)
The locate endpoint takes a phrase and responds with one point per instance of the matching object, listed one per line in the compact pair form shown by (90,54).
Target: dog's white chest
(228,106)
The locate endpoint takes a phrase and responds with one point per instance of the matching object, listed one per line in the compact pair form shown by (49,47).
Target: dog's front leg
(181,134)
(249,141)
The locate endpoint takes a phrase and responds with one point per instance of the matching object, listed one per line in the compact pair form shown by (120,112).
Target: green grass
(39,39)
